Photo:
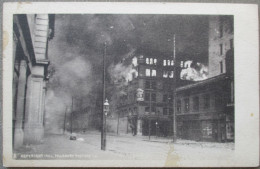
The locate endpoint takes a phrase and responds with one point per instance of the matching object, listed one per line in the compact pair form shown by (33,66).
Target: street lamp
(105,112)
(156,124)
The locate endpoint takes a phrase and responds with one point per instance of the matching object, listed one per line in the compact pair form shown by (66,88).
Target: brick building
(154,110)
(31,34)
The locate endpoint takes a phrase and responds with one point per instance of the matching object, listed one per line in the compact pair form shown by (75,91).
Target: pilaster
(33,129)
(19,117)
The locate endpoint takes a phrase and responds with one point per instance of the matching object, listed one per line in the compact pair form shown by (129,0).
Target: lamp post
(106,110)
(103,139)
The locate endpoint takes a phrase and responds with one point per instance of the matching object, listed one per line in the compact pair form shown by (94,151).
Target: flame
(194,71)
(121,73)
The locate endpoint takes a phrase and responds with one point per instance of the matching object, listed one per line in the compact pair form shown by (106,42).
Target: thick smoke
(121,73)
(194,71)
(77,48)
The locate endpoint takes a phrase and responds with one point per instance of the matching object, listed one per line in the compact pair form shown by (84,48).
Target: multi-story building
(31,34)
(205,109)
(221,40)
(146,108)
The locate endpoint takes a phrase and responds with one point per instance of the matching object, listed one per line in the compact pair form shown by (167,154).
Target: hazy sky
(76,50)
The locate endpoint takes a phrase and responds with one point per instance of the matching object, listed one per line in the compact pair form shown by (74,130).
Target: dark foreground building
(205,110)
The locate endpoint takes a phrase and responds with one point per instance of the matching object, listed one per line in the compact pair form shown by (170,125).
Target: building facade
(146,108)
(31,34)
(221,40)
(205,109)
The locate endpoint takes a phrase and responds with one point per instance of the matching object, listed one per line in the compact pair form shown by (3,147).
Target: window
(147,109)
(147,72)
(171,74)
(221,49)
(151,61)
(147,84)
(179,106)
(147,60)
(153,97)
(206,101)
(196,103)
(155,61)
(170,111)
(165,111)
(164,63)
(181,64)
(153,85)
(147,96)
(165,74)
(221,66)
(153,72)
(165,98)
(171,62)
(186,105)
(153,109)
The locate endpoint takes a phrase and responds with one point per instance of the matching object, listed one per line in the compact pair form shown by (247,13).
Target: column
(33,129)
(139,127)
(19,117)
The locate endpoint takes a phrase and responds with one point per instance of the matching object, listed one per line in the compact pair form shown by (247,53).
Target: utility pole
(71,116)
(103,132)
(174,91)
(65,119)
(150,112)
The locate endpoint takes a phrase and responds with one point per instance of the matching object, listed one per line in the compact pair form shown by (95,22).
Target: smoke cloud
(76,53)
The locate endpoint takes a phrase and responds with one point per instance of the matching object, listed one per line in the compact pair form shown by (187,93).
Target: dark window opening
(147,96)
(196,103)
(165,111)
(153,97)
(170,111)
(147,84)
(165,96)
(153,85)
(221,49)
(206,101)
(221,66)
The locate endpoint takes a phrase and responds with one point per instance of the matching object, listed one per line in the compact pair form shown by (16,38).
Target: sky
(76,51)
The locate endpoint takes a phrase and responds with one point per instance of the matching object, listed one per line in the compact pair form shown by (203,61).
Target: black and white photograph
(153,88)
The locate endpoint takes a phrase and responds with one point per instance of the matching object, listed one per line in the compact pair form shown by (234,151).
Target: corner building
(153,114)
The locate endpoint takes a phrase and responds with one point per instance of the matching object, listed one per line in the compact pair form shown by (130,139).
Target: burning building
(205,109)
(145,106)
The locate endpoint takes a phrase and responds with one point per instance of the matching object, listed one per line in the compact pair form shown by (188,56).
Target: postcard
(127,84)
